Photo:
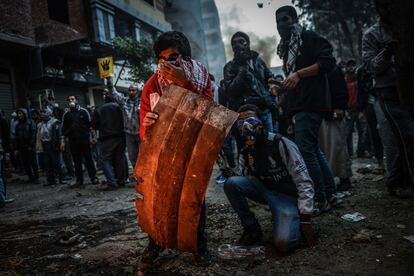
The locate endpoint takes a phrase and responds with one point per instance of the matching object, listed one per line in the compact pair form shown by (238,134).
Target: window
(58,10)
(137,31)
(106,30)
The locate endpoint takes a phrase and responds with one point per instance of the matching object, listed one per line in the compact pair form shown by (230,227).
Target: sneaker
(203,258)
(9,200)
(95,181)
(150,253)
(77,184)
(250,238)
(221,179)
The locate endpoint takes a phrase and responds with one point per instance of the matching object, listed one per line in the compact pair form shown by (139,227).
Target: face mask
(249,128)
(72,105)
(284,31)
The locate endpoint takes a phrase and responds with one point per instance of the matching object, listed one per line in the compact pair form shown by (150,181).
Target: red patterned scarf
(194,71)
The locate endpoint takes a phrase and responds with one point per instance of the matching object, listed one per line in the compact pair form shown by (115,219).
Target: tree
(342,22)
(138,57)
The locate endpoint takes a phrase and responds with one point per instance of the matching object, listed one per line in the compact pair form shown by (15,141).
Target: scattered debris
(77,257)
(365,170)
(409,238)
(55,257)
(364,235)
(70,240)
(378,178)
(234,252)
(354,217)
(340,195)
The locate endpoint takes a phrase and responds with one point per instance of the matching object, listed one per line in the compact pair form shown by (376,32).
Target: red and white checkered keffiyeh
(194,71)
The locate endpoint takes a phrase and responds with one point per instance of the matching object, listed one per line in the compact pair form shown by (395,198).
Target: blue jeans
(307,125)
(267,121)
(285,213)
(2,190)
(114,160)
(132,143)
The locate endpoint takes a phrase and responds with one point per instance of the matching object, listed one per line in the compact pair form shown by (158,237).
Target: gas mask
(72,105)
(250,128)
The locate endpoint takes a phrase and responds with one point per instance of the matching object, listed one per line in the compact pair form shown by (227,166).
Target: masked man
(246,79)
(307,59)
(48,138)
(175,66)
(76,126)
(25,144)
(274,174)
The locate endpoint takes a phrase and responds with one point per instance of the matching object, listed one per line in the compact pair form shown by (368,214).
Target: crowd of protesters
(60,143)
(294,136)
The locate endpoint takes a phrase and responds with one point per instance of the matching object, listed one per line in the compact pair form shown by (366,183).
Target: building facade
(49,47)
(199,21)
(216,55)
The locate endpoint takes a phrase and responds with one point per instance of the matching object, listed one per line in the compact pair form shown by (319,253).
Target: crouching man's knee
(231,185)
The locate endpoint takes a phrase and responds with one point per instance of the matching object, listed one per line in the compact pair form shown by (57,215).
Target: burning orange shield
(175,163)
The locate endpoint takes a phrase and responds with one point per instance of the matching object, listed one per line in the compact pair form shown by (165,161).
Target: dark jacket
(109,121)
(312,93)
(366,91)
(338,89)
(25,132)
(4,134)
(382,66)
(243,84)
(76,124)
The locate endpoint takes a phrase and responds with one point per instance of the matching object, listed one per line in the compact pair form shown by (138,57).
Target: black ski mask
(240,44)
(286,16)
(383,8)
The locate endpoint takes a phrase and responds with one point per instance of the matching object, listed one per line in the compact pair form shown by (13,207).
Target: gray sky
(246,16)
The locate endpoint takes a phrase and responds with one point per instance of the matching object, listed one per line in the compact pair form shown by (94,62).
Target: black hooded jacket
(246,85)
(25,131)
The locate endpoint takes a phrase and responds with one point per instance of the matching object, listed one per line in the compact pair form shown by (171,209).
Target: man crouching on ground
(274,174)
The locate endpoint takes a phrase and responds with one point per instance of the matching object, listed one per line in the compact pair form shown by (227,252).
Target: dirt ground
(58,231)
